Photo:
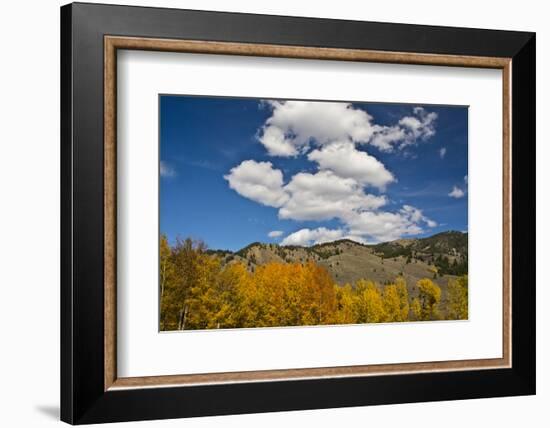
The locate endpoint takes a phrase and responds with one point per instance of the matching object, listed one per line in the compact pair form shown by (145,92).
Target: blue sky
(235,171)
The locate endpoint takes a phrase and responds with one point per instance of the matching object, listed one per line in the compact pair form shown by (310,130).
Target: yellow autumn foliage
(458,298)
(198,292)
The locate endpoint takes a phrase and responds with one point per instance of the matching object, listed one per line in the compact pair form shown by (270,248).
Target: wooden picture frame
(91,390)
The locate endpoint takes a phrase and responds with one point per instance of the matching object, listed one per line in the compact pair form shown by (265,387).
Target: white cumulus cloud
(294,126)
(421,125)
(456,192)
(276,142)
(416,215)
(325,195)
(442,152)
(380,226)
(306,237)
(409,129)
(366,226)
(258,181)
(334,136)
(386,136)
(346,161)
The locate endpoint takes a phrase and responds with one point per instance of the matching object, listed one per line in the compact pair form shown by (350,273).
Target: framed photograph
(266,213)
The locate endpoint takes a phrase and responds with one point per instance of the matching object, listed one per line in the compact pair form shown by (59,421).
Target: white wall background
(29,213)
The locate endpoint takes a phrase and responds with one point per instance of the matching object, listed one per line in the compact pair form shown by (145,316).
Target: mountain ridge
(401,241)
(439,257)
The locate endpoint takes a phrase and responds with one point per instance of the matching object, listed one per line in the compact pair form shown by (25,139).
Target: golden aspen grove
(201,290)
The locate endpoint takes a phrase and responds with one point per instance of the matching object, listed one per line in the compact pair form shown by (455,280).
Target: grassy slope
(348,261)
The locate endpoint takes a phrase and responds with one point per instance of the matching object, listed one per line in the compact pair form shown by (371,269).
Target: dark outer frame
(83,397)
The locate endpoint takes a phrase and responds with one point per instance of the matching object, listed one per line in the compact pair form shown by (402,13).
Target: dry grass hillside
(439,257)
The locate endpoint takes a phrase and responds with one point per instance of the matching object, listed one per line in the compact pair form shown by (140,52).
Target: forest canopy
(198,291)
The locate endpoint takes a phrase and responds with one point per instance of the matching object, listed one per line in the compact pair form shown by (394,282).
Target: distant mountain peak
(436,256)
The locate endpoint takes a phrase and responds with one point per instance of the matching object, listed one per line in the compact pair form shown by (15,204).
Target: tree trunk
(162,280)
(180,319)
(183,317)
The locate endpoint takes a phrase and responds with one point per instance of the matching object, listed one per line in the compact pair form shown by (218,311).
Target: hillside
(438,257)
